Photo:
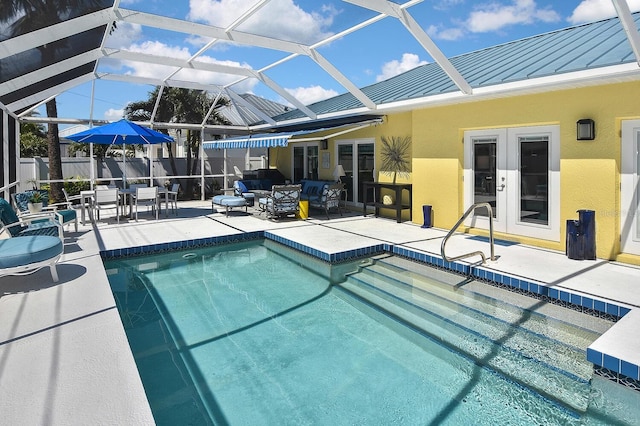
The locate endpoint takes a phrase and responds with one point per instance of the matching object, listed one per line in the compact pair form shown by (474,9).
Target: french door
(516,171)
(630,187)
(305,161)
(357,158)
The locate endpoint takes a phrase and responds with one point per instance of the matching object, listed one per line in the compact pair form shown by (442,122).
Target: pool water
(258,334)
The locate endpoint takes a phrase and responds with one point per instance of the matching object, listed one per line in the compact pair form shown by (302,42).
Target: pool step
(504,338)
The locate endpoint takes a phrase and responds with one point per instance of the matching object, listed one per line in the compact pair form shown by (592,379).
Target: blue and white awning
(254,141)
(271,140)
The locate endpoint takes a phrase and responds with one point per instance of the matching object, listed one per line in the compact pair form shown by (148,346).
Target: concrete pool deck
(64,356)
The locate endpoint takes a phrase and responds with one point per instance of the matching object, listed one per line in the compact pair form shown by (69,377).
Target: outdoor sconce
(586,130)
(324,144)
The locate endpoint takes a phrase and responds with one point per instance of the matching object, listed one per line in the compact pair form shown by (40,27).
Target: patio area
(64,356)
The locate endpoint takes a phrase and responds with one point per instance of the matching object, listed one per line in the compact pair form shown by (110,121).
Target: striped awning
(270,140)
(254,141)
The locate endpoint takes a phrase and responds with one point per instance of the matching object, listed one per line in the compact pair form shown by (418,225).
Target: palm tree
(30,15)
(179,106)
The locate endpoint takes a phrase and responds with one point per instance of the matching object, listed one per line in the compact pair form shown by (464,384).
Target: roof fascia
(629,25)
(51,33)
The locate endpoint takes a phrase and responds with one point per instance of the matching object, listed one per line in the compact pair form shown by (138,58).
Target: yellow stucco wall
(589,170)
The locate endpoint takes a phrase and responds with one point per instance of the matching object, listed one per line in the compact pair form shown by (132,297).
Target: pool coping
(609,365)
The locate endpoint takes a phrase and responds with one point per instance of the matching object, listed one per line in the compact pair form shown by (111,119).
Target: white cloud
(595,10)
(495,16)
(395,67)
(449,34)
(124,35)
(113,114)
(309,95)
(180,52)
(279,18)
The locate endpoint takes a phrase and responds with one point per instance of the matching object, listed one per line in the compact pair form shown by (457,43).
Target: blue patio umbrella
(120,133)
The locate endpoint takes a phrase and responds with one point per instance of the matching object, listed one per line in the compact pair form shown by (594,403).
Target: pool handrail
(458,223)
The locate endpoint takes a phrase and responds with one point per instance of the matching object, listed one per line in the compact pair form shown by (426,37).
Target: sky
(366,56)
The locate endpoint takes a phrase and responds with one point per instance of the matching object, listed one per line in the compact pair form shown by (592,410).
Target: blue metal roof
(579,48)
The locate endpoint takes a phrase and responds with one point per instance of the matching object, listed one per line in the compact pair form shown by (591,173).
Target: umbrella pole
(92,173)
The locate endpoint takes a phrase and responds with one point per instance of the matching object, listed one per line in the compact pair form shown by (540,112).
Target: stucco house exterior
(514,143)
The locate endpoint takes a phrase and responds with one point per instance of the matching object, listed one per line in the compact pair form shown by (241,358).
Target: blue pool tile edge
(179,245)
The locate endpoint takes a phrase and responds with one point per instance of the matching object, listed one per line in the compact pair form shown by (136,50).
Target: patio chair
(170,197)
(147,197)
(329,198)
(65,213)
(283,201)
(72,200)
(44,223)
(106,199)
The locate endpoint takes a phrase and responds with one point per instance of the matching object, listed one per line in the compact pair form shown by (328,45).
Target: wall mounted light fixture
(324,144)
(586,130)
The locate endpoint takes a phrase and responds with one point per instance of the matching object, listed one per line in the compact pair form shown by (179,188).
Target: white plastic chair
(105,199)
(147,197)
(171,197)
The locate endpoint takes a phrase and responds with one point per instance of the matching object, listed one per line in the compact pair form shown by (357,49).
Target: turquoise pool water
(257,334)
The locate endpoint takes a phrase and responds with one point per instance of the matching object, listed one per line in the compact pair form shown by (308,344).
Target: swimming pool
(255,333)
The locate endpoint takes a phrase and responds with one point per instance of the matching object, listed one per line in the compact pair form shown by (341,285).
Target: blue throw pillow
(242,188)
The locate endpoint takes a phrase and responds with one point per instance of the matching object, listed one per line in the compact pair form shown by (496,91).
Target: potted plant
(35,202)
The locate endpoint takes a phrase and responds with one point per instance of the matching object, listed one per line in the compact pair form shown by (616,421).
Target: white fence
(35,171)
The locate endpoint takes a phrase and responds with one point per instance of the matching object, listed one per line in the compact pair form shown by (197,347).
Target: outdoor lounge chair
(328,199)
(63,210)
(26,254)
(45,223)
(283,201)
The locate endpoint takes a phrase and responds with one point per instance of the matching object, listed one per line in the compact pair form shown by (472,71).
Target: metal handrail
(458,223)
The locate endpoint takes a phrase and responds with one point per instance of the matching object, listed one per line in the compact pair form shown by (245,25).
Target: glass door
(305,162)
(516,171)
(358,168)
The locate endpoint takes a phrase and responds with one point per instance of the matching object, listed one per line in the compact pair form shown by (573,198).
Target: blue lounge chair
(35,242)
(63,210)
(45,223)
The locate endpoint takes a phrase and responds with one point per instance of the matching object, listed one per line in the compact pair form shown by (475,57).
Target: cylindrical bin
(303,210)
(575,242)
(587,220)
(426,212)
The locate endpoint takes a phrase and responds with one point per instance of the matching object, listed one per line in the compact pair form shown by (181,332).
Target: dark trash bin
(426,212)
(587,219)
(575,242)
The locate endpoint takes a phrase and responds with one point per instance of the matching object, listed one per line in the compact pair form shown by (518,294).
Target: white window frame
(629,181)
